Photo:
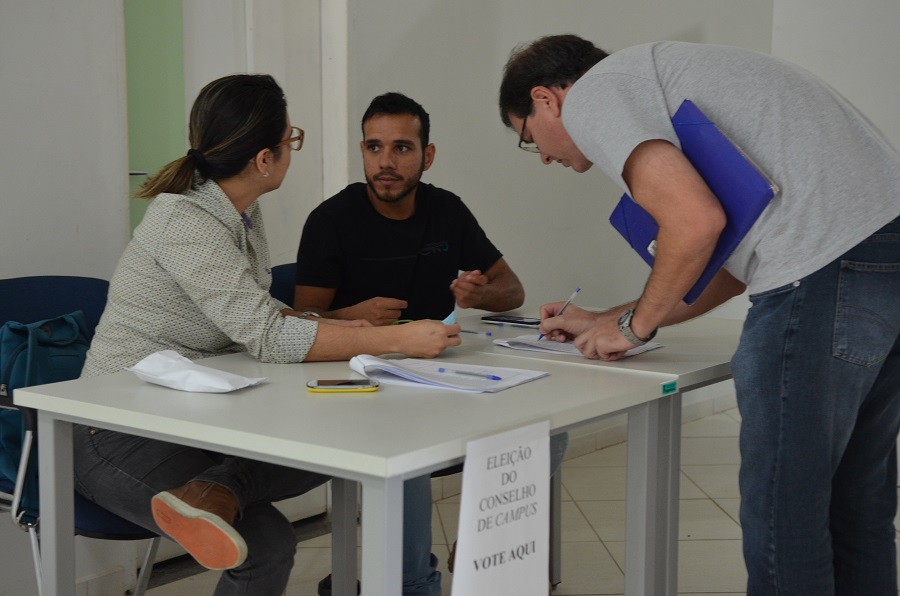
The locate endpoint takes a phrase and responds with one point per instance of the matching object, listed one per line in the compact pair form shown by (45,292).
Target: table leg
(382,537)
(344,508)
(651,510)
(57,506)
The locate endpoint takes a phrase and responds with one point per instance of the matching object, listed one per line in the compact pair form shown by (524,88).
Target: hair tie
(198,157)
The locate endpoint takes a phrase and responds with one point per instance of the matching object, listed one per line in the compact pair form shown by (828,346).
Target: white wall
(281,38)
(63,150)
(550,223)
(852,45)
(64,173)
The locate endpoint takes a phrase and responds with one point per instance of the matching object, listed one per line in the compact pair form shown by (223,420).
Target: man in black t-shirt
(393,248)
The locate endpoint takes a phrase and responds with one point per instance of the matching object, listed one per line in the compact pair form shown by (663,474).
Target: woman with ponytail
(195,279)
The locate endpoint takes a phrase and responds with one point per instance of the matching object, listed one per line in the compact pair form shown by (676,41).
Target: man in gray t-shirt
(817,373)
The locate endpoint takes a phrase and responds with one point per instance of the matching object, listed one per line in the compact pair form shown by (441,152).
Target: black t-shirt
(348,245)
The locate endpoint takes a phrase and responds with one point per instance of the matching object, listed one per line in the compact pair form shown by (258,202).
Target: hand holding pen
(564,307)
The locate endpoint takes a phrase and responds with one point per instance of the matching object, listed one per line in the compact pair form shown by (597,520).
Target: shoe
(199,517)
(325,586)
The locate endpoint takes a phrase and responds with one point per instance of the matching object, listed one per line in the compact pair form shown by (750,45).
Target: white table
(696,354)
(383,438)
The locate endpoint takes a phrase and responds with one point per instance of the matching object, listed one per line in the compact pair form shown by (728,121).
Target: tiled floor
(593,511)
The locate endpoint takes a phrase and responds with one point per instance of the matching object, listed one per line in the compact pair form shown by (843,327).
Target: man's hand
(596,335)
(378,311)
(469,288)
(603,340)
(569,325)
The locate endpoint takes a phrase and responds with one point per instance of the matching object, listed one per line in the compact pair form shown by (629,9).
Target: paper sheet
(532,343)
(441,374)
(504,516)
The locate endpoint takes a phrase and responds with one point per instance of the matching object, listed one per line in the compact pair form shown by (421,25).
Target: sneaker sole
(206,536)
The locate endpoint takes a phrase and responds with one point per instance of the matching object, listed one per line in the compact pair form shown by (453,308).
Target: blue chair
(284,279)
(29,299)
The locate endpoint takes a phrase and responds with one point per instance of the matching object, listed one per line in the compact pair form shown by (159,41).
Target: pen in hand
(564,307)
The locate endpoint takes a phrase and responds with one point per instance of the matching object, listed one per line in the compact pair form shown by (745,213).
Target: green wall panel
(157,129)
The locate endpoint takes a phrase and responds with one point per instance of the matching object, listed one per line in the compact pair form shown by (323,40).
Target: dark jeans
(122,473)
(817,375)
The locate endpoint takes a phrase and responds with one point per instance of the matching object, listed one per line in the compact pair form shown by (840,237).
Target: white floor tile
(709,451)
(574,525)
(588,568)
(732,507)
(715,480)
(717,425)
(610,456)
(595,483)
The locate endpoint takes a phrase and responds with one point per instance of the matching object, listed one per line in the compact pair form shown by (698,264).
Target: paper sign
(504,518)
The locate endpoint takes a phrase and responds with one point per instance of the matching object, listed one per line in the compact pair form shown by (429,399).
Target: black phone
(512,321)
(342,385)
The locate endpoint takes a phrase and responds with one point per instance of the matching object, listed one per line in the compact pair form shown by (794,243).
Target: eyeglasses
(529,147)
(295,141)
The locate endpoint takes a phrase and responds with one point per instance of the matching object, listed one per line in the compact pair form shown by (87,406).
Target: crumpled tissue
(170,369)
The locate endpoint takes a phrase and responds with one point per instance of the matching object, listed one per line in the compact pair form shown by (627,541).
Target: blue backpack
(34,354)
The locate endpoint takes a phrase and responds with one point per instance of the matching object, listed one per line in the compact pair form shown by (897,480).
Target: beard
(401,189)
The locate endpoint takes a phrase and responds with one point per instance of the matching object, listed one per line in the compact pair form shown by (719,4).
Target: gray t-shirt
(839,177)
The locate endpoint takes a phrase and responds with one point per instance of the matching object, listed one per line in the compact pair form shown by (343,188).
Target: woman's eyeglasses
(295,141)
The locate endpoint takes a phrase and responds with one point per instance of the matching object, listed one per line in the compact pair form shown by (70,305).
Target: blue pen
(564,307)
(471,374)
(488,333)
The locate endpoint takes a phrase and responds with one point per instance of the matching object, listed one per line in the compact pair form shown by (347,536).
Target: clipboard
(742,188)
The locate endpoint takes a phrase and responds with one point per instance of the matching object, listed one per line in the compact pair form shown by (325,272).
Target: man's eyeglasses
(529,147)
(295,141)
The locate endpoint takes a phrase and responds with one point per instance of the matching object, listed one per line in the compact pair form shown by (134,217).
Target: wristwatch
(625,329)
(309,313)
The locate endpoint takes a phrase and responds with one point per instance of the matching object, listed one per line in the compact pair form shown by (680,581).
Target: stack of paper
(442,374)
(531,342)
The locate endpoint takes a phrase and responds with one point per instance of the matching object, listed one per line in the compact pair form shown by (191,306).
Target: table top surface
(396,431)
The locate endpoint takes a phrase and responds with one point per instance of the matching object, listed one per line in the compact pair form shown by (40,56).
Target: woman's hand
(426,339)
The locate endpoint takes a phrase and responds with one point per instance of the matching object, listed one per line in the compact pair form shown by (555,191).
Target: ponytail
(232,119)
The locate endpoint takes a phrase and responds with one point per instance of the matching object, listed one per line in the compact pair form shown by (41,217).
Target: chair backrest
(284,280)
(30,299)
(27,300)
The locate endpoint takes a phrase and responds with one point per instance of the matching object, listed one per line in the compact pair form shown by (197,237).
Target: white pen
(564,307)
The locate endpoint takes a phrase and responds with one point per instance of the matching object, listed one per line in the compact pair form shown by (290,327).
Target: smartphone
(512,321)
(342,385)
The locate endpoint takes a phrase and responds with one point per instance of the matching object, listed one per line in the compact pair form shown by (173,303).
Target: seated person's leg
(125,474)
(271,547)
(420,574)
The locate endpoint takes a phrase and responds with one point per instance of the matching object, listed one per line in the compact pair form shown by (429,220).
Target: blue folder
(741,187)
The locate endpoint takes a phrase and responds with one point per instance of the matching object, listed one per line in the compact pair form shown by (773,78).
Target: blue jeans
(122,472)
(817,375)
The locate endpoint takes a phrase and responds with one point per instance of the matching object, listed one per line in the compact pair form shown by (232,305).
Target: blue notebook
(743,189)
